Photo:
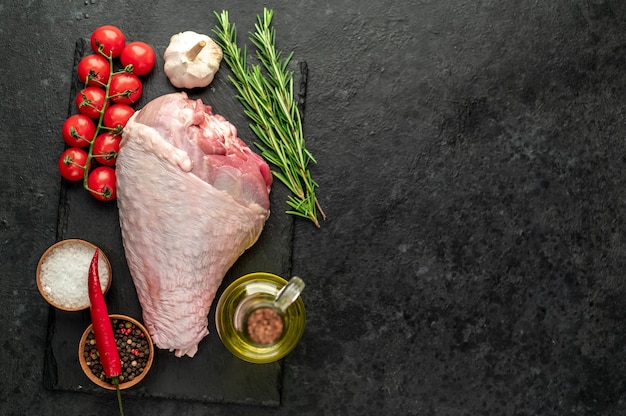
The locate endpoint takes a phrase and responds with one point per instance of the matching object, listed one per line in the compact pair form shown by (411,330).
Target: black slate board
(213,375)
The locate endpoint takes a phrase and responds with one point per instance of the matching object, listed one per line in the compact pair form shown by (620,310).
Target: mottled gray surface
(470,161)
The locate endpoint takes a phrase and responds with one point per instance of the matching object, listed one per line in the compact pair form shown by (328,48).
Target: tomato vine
(105,90)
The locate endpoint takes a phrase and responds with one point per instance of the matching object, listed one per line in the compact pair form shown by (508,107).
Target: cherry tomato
(72,163)
(105,148)
(94,70)
(102,183)
(116,116)
(140,55)
(125,88)
(108,40)
(90,101)
(78,130)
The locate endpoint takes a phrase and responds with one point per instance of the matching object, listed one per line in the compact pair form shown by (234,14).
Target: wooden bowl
(65,244)
(104,383)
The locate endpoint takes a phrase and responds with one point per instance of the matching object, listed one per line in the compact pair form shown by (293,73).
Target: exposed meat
(192,198)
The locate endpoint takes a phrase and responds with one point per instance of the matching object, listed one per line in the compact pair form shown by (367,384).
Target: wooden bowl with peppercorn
(134,345)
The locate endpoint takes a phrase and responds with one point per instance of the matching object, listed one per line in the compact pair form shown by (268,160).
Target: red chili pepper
(102,328)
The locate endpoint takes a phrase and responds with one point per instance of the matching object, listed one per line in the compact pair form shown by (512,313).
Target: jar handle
(289,293)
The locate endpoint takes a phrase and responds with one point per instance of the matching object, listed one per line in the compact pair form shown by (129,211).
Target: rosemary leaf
(266,92)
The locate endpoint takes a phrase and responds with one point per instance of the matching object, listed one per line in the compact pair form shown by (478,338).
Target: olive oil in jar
(260,317)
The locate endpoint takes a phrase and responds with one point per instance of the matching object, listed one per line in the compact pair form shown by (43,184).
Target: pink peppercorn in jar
(260,317)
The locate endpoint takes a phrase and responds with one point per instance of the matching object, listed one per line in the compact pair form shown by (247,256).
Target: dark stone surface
(471,163)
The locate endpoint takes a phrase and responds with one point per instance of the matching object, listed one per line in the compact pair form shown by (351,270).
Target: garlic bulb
(191,60)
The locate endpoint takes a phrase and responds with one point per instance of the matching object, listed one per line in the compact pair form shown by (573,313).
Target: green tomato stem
(99,126)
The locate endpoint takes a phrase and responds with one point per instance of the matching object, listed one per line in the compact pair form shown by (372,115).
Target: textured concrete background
(470,160)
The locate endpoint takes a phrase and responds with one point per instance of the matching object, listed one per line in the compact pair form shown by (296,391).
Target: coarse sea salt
(64,274)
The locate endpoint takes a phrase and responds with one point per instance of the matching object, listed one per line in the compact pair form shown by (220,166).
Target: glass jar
(260,317)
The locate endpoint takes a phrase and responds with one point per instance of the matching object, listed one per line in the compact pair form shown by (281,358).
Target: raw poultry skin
(192,198)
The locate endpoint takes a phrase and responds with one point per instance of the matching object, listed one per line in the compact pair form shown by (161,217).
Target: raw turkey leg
(192,198)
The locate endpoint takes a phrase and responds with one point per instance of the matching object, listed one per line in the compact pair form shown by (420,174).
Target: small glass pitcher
(260,317)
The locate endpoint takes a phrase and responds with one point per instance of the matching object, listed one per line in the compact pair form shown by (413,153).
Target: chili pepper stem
(116,381)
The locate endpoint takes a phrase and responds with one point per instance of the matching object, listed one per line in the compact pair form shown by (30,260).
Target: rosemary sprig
(266,93)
